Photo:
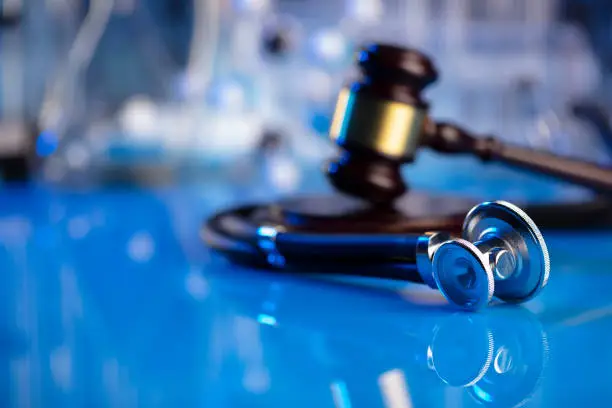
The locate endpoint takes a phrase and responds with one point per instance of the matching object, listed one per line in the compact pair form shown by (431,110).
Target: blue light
(266,319)
(267,232)
(480,393)
(320,122)
(269,306)
(362,56)
(276,260)
(46,143)
(340,395)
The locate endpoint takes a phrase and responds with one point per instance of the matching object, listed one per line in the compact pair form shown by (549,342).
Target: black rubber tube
(388,256)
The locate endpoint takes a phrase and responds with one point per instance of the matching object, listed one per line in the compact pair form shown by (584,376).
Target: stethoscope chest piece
(463,274)
(501,252)
(514,244)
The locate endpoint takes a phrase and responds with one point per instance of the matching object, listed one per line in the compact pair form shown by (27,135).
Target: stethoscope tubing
(233,234)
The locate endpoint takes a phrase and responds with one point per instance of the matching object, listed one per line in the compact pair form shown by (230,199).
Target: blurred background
(124,123)
(163,91)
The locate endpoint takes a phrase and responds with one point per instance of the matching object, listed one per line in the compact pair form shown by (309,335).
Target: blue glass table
(109,299)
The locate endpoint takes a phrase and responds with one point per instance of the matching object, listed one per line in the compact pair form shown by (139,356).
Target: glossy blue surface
(109,299)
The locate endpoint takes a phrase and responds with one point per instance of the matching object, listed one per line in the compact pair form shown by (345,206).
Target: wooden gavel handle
(448,138)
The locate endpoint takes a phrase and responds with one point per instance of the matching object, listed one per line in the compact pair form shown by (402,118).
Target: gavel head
(378,122)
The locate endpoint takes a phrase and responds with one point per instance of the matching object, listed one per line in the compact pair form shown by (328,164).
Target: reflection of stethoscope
(497,357)
(512,369)
(501,253)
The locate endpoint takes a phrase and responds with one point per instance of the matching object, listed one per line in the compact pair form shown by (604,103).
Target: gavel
(381,121)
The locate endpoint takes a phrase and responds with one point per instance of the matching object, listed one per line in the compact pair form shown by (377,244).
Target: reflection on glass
(394,390)
(394,356)
(154,330)
(340,395)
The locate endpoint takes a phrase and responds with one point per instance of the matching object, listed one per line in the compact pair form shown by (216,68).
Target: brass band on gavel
(388,127)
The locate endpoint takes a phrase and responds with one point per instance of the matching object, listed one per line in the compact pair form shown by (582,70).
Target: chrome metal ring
(463,274)
(425,249)
(267,235)
(509,223)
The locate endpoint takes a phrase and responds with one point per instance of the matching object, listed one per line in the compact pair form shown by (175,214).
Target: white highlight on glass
(230,95)
(394,389)
(283,173)
(139,118)
(253,5)
(59,101)
(71,300)
(365,11)
(256,378)
(330,45)
(197,286)
(77,155)
(141,247)
(78,227)
(228,135)
(14,230)
(430,362)
(318,85)
(22,388)
(503,361)
(60,365)
(266,319)
(482,394)
(340,395)
(116,382)
(588,316)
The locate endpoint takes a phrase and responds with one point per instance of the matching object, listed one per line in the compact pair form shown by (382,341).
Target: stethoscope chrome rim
(527,242)
(456,256)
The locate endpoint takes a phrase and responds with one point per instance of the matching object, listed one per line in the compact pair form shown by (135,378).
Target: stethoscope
(501,253)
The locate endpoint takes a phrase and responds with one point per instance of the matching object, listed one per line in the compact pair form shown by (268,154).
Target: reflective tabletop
(110,299)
